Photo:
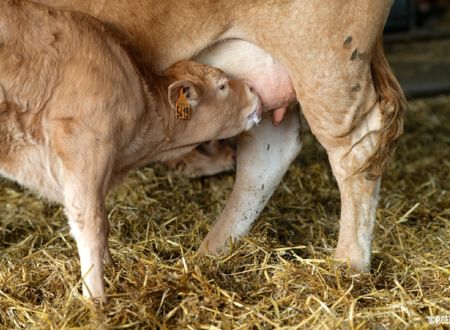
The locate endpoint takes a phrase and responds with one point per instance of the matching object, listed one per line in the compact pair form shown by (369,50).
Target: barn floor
(281,275)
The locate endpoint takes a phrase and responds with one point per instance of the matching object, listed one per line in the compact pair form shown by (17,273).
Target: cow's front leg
(263,157)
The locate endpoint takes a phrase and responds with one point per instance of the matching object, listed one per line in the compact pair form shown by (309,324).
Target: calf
(76,116)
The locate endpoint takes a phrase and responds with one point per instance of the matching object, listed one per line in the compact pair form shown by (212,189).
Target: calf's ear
(185,87)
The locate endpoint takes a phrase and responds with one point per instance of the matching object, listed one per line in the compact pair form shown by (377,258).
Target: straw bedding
(280,275)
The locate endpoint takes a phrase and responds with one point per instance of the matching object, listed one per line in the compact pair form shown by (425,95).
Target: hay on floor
(281,275)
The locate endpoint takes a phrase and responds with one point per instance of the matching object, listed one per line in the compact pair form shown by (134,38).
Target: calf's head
(207,105)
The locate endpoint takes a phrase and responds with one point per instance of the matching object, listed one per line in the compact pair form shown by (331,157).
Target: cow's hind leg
(359,199)
(263,157)
(356,116)
(359,193)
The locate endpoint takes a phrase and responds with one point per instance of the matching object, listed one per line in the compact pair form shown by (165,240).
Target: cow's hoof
(356,259)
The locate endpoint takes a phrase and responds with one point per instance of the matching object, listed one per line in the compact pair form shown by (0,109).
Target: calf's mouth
(256,116)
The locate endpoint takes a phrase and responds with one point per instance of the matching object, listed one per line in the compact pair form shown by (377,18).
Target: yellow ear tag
(183,107)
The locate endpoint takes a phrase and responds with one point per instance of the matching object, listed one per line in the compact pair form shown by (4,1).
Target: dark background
(417,43)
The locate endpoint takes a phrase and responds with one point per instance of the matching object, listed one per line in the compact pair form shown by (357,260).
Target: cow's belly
(240,59)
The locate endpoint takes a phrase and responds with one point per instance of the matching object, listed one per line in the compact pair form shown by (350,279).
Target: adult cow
(333,53)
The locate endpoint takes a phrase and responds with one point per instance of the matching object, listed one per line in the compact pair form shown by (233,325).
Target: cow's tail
(393,106)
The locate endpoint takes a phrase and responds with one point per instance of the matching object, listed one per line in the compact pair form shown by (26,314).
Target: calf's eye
(222,87)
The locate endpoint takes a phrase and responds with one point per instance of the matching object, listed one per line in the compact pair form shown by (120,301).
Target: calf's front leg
(89,227)
(87,167)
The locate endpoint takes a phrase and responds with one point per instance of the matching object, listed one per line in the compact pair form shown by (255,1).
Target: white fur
(264,154)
